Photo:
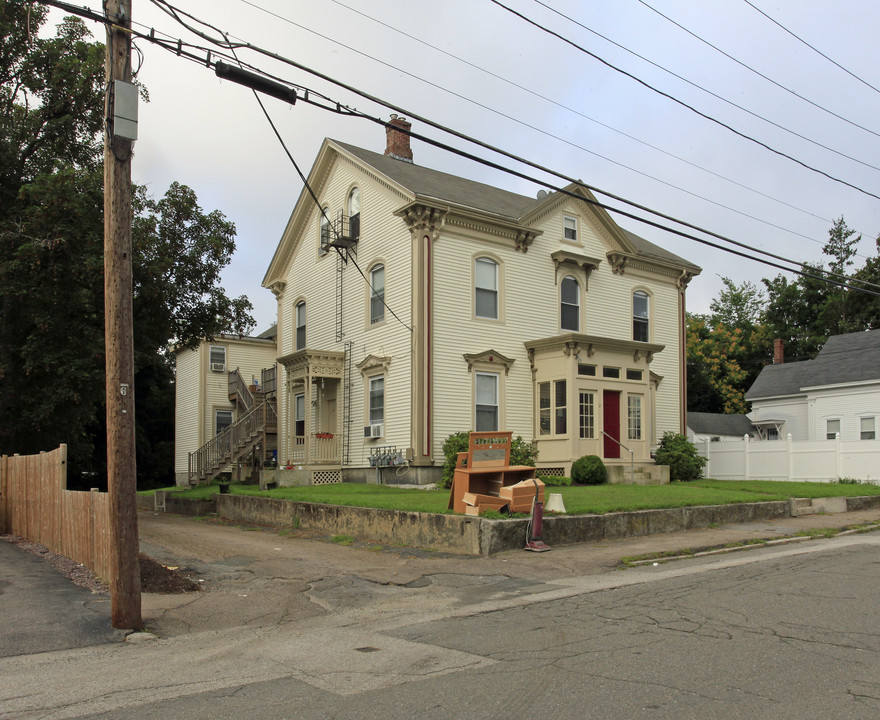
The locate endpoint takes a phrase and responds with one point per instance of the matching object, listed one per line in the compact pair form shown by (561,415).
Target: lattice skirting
(326,477)
(551,472)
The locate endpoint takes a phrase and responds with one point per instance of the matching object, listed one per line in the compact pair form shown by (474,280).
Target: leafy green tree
(51,260)
(726,349)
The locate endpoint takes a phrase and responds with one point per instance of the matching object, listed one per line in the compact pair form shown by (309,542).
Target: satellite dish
(542,194)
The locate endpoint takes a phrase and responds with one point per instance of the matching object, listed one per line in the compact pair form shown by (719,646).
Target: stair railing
(632,471)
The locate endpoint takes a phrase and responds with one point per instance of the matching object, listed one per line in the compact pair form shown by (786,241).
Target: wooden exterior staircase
(256,421)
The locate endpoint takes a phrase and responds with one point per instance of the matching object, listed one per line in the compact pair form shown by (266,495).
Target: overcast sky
(475,67)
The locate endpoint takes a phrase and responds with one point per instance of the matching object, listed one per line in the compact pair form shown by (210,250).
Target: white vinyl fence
(813,461)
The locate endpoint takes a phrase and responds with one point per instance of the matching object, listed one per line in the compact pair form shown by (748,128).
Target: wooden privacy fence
(35,504)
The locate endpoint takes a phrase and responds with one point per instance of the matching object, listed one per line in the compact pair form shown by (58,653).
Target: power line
(758,72)
(681,102)
(814,49)
(712,93)
(573,111)
(339,108)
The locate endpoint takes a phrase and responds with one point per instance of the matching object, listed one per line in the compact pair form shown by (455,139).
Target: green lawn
(597,499)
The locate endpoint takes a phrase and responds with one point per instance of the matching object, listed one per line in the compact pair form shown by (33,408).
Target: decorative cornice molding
(371,363)
(420,218)
(488,357)
(277,288)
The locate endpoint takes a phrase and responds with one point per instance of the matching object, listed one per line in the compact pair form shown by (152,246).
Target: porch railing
(324,448)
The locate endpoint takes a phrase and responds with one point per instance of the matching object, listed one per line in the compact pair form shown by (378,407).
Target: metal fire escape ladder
(346,404)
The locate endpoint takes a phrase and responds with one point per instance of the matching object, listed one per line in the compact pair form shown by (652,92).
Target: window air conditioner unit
(218,367)
(372,431)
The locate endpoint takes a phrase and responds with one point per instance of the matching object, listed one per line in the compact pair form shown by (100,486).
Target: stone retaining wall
(476,535)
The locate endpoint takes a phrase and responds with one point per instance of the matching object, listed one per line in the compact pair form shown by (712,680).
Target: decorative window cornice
(373,364)
(488,357)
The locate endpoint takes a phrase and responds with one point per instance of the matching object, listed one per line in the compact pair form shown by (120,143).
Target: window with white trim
(222,420)
(634,417)
(300,325)
(867,428)
(217,358)
(377,400)
(569,304)
(552,410)
(324,238)
(587,407)
(486,401)
(570,228)
(377,294)
(641,316)
(832,428)
(299,416)
(354,214)
(486,288)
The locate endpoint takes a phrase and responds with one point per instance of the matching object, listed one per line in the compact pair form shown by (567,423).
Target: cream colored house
(421,304)
(217,385)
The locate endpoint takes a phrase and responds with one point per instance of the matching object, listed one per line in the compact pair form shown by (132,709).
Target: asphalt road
(782,632)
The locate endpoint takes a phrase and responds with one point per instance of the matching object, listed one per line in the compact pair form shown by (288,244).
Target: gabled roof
(850,358)
(427,184)
(719,424)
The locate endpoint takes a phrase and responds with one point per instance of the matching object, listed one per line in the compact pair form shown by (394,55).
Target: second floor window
(300,323)
(354,214)
(377,294)
(486,288)
(641,317)
(218,358)
(570,304)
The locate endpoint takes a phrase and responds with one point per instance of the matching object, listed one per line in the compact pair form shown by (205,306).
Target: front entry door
(611,422)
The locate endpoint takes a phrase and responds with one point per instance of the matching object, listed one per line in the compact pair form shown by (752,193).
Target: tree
(726,349)
(51,260)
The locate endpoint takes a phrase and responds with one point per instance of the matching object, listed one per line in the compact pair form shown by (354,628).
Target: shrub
(589,470)
(681,456)
(521,453)
(554,480)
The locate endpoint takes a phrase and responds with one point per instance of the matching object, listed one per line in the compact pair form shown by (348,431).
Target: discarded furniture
(485,479)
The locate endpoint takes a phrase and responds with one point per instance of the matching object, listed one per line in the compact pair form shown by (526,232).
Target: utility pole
(125,581)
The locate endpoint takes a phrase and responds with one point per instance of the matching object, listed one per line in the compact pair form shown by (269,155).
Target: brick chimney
(396,142)
(778,352)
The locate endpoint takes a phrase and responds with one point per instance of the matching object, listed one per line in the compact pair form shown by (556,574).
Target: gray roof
(850,358)
(479,196)
(719,424)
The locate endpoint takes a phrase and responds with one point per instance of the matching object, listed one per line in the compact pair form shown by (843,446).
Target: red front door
(611,422)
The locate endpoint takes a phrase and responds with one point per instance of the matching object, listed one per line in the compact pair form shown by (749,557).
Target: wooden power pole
(125,581)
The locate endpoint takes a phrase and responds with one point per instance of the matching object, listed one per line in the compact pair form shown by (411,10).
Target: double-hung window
(570,228)
(867,429)
(570,304)
(377,400)
(354,214)
(300,325)
(486,405)
(832,428)
(377,294)
(486,288)
(552,410)
(641,316)
(218,358)
(222,420)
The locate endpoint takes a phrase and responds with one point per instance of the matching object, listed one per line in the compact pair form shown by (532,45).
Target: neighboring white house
(718,427)
(420,304)
(211,395)
(838,392)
